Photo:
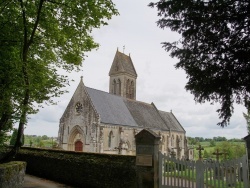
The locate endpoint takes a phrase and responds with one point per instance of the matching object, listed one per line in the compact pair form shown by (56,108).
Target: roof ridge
(178,121)
(160,116)
(105,92)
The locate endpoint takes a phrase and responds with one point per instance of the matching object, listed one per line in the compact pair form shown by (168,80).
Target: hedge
(80,169)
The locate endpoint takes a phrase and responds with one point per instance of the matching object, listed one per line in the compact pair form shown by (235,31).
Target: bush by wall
(12,174)
(80,169)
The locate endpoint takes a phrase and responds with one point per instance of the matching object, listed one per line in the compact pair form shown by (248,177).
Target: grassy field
(39,141)
(233,149)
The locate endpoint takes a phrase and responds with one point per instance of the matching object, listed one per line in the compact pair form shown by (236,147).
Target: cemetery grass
(190,175)
(210,149)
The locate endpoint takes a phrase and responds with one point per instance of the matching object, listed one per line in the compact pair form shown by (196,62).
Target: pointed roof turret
(122,63)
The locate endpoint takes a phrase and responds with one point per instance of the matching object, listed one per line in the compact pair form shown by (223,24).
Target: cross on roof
(199,149)
(217,153)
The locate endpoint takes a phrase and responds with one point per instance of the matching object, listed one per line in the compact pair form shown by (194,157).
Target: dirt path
(36,182)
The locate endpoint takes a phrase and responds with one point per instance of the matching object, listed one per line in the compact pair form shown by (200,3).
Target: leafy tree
(37,38)
(233,150)
(14,137)
(3,139)
(206,154)
(247,117)
(30,143)
(191,141)
(214,49)
(45,137)
(212,143)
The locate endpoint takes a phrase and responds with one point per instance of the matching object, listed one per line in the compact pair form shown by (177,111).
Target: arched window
(110,139)
(127,88)
(114,86)
(181,142)
(86,130)
(172,141)
(177,141)
(132,90)
(119,87)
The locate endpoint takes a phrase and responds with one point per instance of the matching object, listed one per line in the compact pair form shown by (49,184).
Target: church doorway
(78,145)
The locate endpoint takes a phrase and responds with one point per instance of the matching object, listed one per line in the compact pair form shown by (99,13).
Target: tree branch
(36,22)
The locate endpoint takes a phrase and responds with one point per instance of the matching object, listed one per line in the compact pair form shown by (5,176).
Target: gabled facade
(97,121)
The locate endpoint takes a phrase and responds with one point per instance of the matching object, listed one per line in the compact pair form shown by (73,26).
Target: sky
(135,32)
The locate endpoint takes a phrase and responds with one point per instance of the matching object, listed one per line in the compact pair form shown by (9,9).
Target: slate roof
(111,108)
(124,64)
(117,110)
(171,121)
(145,115)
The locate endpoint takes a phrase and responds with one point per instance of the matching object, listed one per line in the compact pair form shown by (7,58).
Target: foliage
(233,151)
(212,143)
(37,39)
(170,166)
(206,154)
(55,164)
(234,147)
(3,139)
(192,141)
(14,137)
(214,49)
(219,138)
(247,117)
(40,141)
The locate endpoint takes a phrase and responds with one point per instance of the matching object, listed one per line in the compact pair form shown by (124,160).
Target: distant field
(209,150)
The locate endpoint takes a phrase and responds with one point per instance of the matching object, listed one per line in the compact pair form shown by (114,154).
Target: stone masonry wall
(12,174)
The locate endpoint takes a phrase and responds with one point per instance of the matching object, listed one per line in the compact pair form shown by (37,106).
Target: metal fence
(202,174)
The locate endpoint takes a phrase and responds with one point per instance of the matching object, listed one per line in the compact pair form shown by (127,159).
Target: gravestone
(147,159)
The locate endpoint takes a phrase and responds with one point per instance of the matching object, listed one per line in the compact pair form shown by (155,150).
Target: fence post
(147,159)
(199,174)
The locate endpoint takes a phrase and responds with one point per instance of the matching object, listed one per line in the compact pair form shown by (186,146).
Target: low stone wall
(80,169)
(12,174)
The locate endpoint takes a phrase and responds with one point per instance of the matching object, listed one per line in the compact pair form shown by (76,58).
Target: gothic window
(132,90)
(114,86)
(110,139)
(93,128)
(172,141)
(127,88)
(119,87)
(177,141)
(181,142)
(86,130)
(163,143)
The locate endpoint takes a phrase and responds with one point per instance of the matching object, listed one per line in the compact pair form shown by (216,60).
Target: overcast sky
(158,81)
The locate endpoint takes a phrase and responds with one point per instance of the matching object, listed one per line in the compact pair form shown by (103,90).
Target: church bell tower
(122,76)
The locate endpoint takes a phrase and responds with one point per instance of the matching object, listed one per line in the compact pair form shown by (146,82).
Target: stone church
(102,122)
